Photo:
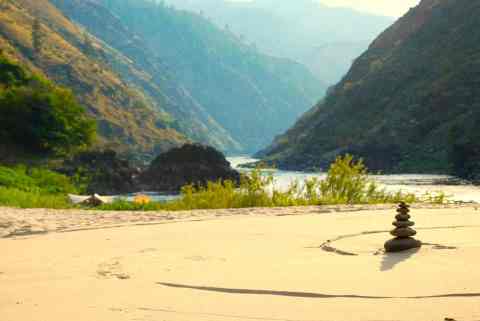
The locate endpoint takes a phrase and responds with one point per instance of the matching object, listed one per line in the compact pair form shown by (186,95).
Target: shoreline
(17,222)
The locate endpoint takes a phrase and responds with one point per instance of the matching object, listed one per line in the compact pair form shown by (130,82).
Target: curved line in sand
(312,295)
(327,245)
(229,316)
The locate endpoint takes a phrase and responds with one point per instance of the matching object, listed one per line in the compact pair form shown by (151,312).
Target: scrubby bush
(35,180)
(17,198)
(34,188)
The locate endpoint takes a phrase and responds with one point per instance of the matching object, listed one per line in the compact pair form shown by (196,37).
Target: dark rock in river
(105,172)
(190,164)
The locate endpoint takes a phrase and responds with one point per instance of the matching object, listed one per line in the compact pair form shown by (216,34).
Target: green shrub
(17,178)
(37,180)
(51,182)
(13,197)
(348,182)
(34,188)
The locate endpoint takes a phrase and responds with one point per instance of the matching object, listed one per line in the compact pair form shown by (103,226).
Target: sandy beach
(294,264)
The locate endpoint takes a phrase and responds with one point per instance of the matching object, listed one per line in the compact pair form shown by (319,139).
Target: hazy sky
(394,8)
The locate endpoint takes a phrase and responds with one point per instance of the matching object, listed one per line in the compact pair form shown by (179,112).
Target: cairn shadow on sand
(390,260)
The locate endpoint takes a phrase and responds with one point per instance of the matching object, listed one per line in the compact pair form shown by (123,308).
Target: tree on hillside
(38,37)
(88,47)
(45,120)
(39,115)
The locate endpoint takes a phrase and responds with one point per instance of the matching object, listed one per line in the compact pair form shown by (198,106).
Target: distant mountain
(411,103)
(205,75)
(325,39)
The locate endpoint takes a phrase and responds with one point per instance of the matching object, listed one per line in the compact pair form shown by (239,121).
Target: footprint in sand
(198,258)
(112,269)
(5,225)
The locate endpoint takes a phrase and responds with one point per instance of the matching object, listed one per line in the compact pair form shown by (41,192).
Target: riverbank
(247,264)
(454,189)
(16,222)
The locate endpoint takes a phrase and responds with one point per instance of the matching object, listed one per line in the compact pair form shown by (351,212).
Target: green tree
(40,116)
(46,120)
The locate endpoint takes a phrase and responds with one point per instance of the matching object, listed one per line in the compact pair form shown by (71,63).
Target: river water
(418,184)
(455,190)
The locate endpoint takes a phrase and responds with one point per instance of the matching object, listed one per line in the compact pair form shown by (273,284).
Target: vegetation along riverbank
(347,182)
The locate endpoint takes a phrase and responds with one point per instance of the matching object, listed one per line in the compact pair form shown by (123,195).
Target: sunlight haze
(394,8)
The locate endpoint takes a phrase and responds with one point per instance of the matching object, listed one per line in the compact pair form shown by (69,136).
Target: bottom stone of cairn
(399,245)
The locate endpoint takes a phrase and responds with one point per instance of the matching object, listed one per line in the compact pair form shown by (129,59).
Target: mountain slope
(131,58)
(407,104)
(126,119)
(253,97)
(325,39)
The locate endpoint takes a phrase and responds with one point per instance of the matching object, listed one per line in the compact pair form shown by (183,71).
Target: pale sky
(394,8)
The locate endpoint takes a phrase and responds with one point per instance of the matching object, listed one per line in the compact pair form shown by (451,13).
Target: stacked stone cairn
(403,232)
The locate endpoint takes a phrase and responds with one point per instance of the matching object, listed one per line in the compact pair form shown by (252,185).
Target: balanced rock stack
(403,232)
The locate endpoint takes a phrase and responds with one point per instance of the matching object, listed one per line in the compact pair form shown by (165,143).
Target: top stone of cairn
(403,210)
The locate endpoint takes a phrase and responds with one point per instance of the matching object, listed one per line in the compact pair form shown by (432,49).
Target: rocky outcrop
(190,164)
(103,172)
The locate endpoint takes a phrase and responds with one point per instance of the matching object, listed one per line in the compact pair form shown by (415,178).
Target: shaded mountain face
(127,119)
(208,75)
(325,39)
(410,103)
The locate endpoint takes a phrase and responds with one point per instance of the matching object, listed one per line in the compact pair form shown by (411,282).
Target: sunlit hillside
(126,118)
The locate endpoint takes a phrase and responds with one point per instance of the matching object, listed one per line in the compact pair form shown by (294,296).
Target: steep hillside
(253,97)
(325,39)
(131,58)
(410,103)
(37,35)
